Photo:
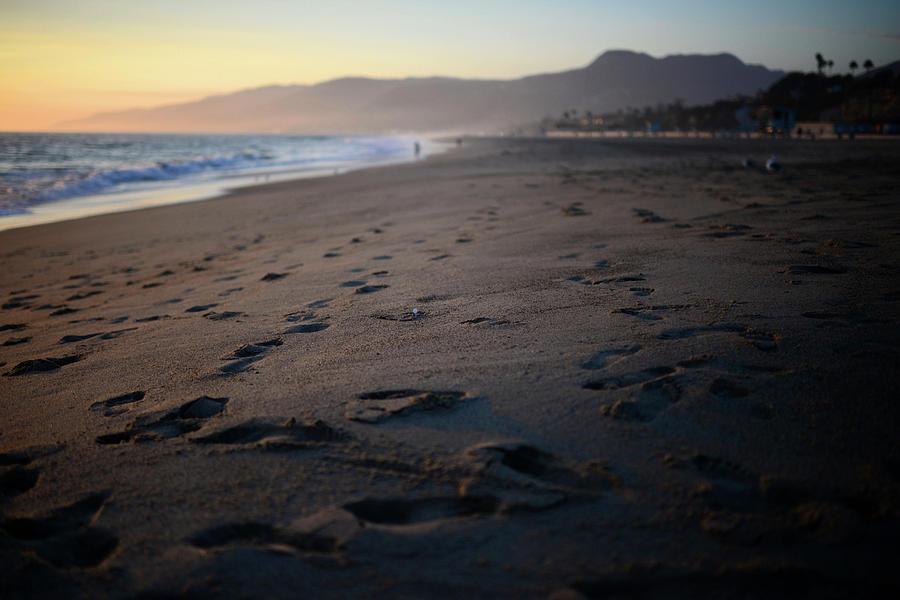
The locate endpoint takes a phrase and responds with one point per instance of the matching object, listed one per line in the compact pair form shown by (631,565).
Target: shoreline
(525,368)
(137,195)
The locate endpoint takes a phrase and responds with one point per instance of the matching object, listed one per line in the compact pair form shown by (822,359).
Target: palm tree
(868,65)
(830,66)
(853,67)
(820,62)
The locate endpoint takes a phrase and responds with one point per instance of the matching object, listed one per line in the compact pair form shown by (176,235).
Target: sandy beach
(540,368)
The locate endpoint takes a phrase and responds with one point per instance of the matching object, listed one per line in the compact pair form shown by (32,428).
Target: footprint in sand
(629,379)
(19,302)
(42,365)
(246,355)
(187,418)
(517,463)
(639,312)
(254,349)
(273,276)
(586,280)
(306,328)
(647,312)
(647,216)
(239,366)
(368,289)
(200,307)
(606,358)
(375,407)
(118,404)
(66,536)
(323,532)
(401,316)
(658,389)
(731,485)
(83,295)
(300,315)
(406,511)
(16,477)
(68,339)
(491,322)
(16,481)
(574,210)
(273,434)
(762,340)
(214,316)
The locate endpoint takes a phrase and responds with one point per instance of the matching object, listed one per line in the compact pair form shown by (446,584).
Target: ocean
(47,177)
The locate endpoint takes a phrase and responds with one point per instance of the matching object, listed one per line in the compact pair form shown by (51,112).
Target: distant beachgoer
(459,141)
(799,132)
(418,148)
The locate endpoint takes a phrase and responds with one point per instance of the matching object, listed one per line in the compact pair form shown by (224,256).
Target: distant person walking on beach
(418,149)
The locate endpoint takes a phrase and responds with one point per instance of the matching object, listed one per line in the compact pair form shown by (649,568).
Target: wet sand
(524,369)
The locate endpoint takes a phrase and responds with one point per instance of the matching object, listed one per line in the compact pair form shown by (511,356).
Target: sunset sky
(65,59)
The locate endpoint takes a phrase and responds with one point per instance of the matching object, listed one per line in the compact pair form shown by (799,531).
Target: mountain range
(615,80)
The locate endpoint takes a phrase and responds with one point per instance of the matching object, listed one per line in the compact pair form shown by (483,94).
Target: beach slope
(523,369)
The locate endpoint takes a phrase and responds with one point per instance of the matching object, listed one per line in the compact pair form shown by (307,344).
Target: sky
(66,59)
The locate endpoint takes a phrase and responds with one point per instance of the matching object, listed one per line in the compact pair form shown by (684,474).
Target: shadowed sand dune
(524,369)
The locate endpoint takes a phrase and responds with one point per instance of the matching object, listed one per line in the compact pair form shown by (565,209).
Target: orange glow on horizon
(62,60)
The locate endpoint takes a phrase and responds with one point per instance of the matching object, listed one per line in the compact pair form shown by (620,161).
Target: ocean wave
(99,181)
(36,170)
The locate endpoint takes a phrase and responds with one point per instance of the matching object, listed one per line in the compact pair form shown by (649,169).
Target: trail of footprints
(495,478)
(21,299)
(657,388)
(492,478)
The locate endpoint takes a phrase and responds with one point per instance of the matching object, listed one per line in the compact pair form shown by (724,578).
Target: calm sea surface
(46,177)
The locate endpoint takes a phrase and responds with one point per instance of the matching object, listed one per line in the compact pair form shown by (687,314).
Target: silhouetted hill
(616,79)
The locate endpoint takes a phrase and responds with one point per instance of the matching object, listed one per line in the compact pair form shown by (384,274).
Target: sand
(524,369)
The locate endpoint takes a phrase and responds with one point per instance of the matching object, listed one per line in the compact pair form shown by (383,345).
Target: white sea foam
(43,168)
